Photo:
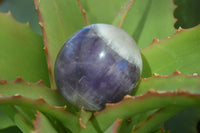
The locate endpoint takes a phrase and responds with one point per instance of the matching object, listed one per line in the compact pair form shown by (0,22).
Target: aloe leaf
(135,17)
(143,21)
(8,111)
(131,106)
(169,83)
(5,121)
(184,122)
(69,120)
(23,11)
(114,128)
(21,124)
(21,51)
(166,83)
(57,23)
(177,52)
(156,120)
(187,13)
(26,115)
(129,124)
(84,118)
(43,125)
(17,117)
(103,11)
(38,90)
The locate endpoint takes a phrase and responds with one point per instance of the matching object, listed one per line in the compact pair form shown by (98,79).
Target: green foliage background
(187,14)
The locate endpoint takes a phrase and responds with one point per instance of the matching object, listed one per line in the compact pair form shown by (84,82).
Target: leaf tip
(116,125)
(37,120)
(82,124)
(126,97)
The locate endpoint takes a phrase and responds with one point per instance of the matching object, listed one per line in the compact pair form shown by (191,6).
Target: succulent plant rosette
(101,66)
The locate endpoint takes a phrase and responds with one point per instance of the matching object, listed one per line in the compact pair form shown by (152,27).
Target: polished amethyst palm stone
(99,64)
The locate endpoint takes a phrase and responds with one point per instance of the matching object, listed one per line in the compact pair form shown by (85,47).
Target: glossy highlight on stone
(99,64)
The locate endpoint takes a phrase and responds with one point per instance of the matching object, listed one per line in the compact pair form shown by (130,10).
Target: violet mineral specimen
(99,64)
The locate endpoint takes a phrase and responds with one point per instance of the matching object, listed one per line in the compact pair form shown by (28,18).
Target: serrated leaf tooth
(155,40)
(195,74)
(3,81)
(17,95)
(38,104)
(156,75)
(19,80)
(162,99)
(82,123)
(179,29)
(175,6)
(41,99)
(151,91)
(144,78)
(127,97)
(40,82)
(45,48)
(176,20)
(112,104)
(36,5)
(181,91)
(83,12)
(84,118)
(36,122)
(176,72)
(41,24)
(107,105)
(9,13)
(27,23)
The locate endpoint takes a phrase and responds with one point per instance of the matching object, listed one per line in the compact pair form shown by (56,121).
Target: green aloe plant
(169,85)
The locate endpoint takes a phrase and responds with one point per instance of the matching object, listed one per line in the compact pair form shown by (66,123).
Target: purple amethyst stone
(99,64)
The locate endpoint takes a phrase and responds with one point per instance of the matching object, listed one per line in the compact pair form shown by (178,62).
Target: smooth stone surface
(99,64)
